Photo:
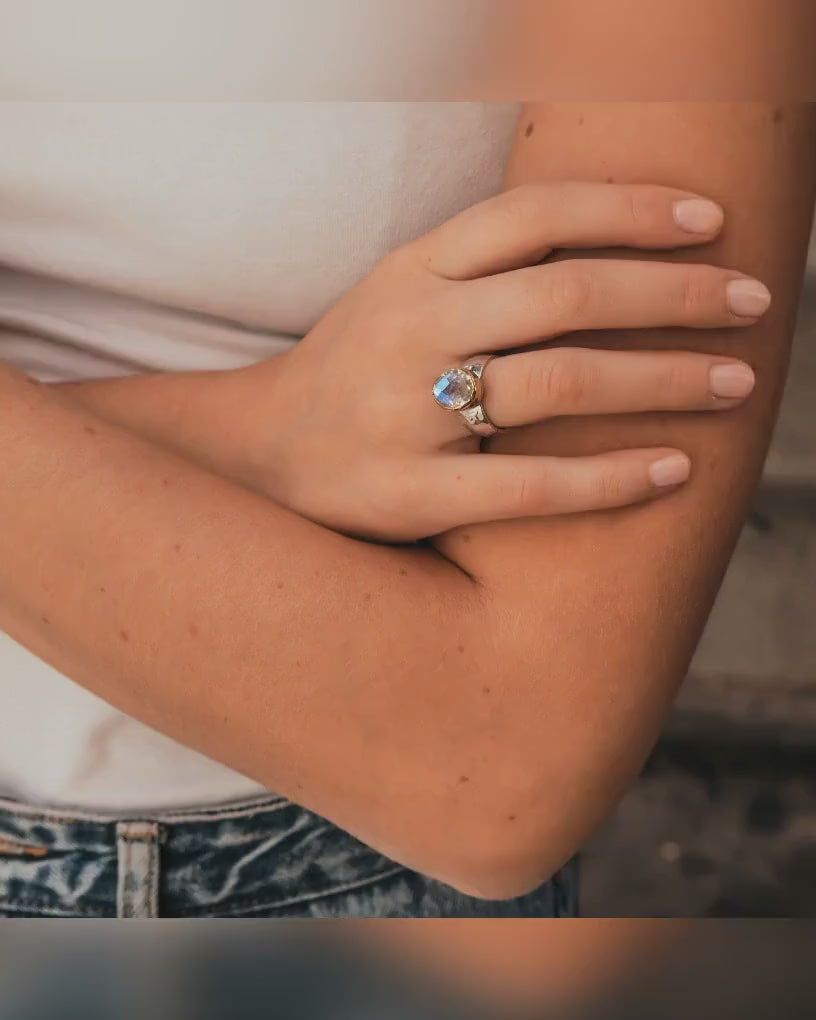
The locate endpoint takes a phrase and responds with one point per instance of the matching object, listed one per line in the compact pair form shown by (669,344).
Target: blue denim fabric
(267,858)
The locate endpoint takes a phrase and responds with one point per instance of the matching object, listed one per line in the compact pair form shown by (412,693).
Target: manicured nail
(748,298)
(732,382)
(698,215)
(673,470)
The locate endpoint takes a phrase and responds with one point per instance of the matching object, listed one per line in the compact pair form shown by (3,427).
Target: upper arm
(598,614)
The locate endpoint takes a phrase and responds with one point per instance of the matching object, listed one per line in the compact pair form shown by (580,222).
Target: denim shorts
(264,858)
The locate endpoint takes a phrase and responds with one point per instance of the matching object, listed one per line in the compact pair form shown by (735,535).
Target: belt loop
(137,885)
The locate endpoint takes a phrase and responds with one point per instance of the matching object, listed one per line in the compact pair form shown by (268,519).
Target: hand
(353,438)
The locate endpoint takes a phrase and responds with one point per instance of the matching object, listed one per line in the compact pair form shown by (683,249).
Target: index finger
(522,226)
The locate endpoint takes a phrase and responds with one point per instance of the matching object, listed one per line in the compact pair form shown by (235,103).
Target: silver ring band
(462,389)
(475,415)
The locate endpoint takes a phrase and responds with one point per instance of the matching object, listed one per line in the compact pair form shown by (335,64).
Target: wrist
(251,404)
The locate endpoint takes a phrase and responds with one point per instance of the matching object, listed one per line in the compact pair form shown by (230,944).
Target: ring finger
(524,388)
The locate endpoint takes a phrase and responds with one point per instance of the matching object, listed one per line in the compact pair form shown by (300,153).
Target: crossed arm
(473,723)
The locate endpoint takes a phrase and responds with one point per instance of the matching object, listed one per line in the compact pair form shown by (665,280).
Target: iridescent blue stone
(455,389)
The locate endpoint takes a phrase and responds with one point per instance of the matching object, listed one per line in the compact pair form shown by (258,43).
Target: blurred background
(608,969)
(723,820)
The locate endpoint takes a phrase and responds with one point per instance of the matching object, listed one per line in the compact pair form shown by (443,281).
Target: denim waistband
(267,857)
(63,829)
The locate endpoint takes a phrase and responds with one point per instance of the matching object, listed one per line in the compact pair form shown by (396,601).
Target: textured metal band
(475,415)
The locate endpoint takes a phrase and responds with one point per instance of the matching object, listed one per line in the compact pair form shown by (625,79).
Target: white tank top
(174,237)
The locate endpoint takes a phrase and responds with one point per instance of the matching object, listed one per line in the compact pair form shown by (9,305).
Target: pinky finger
(489,487)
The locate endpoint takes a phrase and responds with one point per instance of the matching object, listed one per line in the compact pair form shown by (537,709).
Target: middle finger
(542,302)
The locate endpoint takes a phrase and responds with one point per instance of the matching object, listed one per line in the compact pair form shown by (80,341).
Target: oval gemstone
(455,389)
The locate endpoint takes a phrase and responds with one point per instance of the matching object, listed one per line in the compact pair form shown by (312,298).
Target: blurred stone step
(763,625)
(736,713)
(792,458)
(702,835)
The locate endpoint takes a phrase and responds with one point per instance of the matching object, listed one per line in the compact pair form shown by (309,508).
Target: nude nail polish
(672,470)
(748,298)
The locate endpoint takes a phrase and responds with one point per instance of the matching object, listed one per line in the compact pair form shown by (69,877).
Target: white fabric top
(174,237)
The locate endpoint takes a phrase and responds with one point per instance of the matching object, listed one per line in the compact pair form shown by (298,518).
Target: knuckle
(644,207)
(403,255)
(672,378)
(614,486)
(695,293)
(562,380)
(515,204)
(635,208)
(526,496)
(569,290)
(404,260)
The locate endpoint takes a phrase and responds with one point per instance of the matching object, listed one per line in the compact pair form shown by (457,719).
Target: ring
(462,389)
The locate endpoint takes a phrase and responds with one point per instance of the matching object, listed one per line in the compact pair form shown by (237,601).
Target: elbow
(503,872)
(503,854)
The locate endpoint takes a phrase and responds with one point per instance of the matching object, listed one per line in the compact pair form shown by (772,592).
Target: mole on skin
(45,619)
(123,634)
(778,115)
(530,129)
(90,430)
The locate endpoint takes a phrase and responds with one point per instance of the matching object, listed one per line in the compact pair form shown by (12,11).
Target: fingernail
(698,215)
(671,470)
(731,381)
(748,298)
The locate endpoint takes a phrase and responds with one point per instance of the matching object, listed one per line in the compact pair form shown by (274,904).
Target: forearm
(210,418)
(344,674)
